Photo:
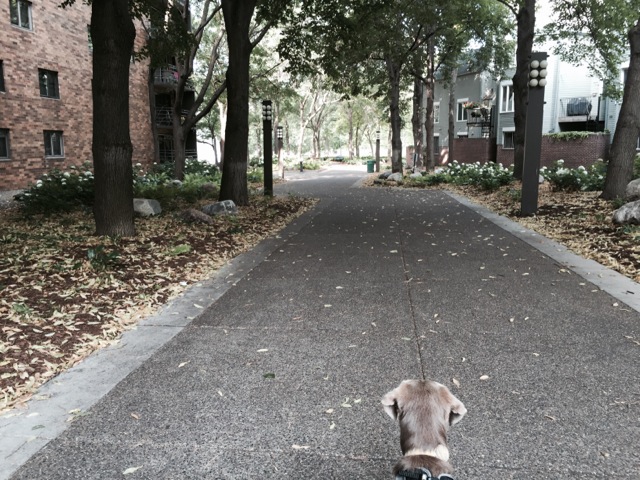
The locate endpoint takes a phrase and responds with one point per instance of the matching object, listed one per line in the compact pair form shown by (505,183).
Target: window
(436,145)
(4,144)
(20,11)
(436,112)
(462,112)
(506,98)
(53,144)
(48,83)
(507,140)
(2,76)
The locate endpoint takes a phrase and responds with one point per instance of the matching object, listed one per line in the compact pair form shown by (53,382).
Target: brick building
(45,91)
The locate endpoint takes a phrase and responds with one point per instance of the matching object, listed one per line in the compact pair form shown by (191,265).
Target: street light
(533,133)
(268,147)
(279,149)
(377,150)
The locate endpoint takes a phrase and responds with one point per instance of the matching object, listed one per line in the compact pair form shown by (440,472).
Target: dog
(425,410)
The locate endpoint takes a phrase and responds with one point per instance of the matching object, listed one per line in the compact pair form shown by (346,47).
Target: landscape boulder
(146,207)
(396,177)
(384,175)
(416,175)
(628,214)
(225,207)
(195,216)
(633,190)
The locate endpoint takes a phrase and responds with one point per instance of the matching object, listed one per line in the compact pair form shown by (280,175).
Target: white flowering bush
(58,191)
(581,178)
(488,176)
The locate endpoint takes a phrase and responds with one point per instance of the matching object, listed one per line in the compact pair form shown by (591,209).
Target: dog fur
(425,410)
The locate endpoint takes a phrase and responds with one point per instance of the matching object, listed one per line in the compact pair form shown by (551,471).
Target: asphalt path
(275,367)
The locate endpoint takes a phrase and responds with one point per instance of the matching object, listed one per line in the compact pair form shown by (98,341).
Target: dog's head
(425,410)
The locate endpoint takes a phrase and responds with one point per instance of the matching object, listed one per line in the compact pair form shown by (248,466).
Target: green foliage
(100,259)
(568,136)
(180,250)
(575,179)
(636,166)
(489,176)
(255,175)
(58,191)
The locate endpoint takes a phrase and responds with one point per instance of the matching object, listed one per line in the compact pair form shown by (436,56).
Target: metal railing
(169,76)
(169,155)
(164,116)
(577,106)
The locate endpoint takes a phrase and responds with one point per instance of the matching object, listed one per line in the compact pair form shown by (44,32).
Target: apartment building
(484,123)
(45,91)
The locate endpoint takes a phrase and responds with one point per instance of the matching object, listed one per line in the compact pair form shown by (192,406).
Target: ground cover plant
(65,292)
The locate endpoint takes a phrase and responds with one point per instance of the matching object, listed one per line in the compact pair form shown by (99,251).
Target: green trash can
(370,166)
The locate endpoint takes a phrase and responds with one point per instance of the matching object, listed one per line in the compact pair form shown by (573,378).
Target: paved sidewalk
(281,376)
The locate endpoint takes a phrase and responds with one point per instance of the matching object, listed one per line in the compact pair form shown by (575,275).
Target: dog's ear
(457,410)
(390,403)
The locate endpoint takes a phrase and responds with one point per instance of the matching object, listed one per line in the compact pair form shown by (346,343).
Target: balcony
(576,109)
(166,78)
(164,116)
(167,155)
(480,118)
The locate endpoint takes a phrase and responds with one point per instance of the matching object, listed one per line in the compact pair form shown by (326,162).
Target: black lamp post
(533,133)
(268,147)
(377,150)
(279,150)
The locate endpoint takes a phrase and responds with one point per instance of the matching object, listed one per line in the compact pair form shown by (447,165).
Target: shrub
(489,176)
(58,192)
(575,179)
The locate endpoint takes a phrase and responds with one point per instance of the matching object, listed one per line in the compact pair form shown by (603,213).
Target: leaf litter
(58,304)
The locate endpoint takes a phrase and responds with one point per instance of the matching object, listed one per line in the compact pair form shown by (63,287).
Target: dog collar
(421,474)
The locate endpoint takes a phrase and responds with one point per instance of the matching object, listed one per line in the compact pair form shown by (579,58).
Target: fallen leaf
(131,470)
(269,375)
(263,350)
(456,382)
(184,363)
(484,377)
(300,447)
(136,416)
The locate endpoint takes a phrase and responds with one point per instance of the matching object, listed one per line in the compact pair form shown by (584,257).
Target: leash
(421,474)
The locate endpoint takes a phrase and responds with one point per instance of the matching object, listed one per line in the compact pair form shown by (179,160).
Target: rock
(540,179)
(210,189)
(633,190)
(196,216)
(416,175)
(225,207)
(396,177)
(146,206)
(378,181)
(628,214)
(384,175)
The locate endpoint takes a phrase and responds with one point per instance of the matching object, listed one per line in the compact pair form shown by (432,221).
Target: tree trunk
(393,71)
(430,158)
(179,138)
(237,20)
(415,120)
(625,138)
(526,19)
(350,119)
(222,109)
(113,34)
(452,115)
(152,116)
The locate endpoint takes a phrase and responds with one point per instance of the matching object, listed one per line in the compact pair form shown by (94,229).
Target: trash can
(370,165)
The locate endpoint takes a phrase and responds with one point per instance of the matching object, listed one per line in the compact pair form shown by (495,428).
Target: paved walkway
(282,375)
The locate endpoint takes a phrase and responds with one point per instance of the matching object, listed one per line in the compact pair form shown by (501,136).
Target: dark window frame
(18,9)
(48,82)
(5,144)
(51,149)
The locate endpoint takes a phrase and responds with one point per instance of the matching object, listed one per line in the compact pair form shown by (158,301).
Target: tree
(171,35)
(525,15)
(602,33)
(112,33)
(237,19)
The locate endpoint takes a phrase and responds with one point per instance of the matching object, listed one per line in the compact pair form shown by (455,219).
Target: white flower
(582,169)
(39,183)
(560,162)
(88,174)
(66,174)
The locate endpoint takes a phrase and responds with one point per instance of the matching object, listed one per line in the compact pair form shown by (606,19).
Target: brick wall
(574,152)
(57,42)
(472,150)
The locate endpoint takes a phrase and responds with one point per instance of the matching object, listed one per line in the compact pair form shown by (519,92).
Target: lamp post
(533,133)
(377,150)
(268,147)
(279,150)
